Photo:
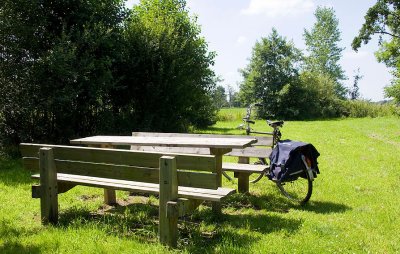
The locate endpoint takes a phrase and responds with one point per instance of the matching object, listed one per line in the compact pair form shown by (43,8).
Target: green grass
(354,207)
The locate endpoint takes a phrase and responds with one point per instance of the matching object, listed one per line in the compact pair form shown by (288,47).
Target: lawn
(354,207)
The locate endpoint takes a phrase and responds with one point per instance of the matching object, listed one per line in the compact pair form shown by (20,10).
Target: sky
(232,27)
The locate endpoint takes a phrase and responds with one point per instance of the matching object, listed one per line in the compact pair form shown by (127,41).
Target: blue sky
(231,28)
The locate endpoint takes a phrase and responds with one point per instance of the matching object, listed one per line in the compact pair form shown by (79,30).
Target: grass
(354,207)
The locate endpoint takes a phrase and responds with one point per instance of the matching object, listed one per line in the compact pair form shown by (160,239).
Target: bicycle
(298,188)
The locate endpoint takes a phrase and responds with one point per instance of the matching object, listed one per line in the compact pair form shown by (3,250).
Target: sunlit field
(354,207)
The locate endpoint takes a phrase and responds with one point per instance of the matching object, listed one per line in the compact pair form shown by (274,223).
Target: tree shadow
(8,232)
(12,173)
(15,247)
(140,221)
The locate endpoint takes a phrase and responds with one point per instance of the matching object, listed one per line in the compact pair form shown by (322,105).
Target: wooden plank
(167,141)
(116,156)
(261,140)
(151,188)
(48,187)
(245,168)
(130,173)
(243,182)
(251,152)
(186,150)
(168,221)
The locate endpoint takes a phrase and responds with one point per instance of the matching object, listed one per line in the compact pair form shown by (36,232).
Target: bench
(182,181)
(242,170)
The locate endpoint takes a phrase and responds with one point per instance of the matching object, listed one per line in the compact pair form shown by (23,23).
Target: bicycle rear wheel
(298,190)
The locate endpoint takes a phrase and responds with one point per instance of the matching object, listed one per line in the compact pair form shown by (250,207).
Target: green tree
(219,97)
(56,64)
(166,81)
(273,64)
(323,50)
(383,19)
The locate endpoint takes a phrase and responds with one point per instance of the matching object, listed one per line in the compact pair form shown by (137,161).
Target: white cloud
(274,8)
(241,40)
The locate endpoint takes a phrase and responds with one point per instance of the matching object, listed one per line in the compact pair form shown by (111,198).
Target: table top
(201,142)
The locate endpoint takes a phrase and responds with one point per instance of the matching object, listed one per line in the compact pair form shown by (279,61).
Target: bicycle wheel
(261,161)
(298,190)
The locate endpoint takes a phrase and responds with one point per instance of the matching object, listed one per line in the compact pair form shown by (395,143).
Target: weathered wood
(36,191)
(261,140)
(167,141)
(168,228)
(245,168)
(48,186)
(186,178)
(187,206)
(140,187)
(251,152)
(116,156)
(243,181)
(64,187)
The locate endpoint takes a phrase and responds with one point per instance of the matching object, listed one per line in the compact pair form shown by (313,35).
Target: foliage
(383,19)
(57,65)
(311,97)
(76,68)
(273,65)
(354,92)
(322,46)
(362,108)
(166,80)
(219,97)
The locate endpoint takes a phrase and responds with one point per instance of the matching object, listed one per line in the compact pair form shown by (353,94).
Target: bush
(362,108)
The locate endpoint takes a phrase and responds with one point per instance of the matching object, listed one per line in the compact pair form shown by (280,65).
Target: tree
(355,90)
(72,68)
(56,64)
(323,49)
(166,77)
(383,19)
(273,64)
(219,97)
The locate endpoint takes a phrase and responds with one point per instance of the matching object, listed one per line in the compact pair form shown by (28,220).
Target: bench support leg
(168,210)
(243,178)
(110,197)
(48,187)
(243,182)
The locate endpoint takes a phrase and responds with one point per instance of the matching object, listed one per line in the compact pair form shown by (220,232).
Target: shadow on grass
(12,173)
(324,207)
(280,204)
(10,235)
(200,231)
(15,247)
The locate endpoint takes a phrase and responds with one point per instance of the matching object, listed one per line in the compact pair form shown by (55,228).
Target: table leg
(110,197)
(218,152)
(243,178)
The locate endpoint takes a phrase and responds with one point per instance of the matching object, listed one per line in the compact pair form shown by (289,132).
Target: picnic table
(218,146)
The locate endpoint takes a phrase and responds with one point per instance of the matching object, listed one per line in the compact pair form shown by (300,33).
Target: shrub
(363,108)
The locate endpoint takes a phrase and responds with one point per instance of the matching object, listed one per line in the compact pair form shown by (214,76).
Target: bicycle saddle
(275,123)
(248,120)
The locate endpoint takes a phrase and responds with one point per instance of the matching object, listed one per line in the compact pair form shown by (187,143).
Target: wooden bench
(183,181)
(242,169)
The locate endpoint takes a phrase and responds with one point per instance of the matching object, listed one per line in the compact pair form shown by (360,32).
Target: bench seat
(141,187)
(244,168)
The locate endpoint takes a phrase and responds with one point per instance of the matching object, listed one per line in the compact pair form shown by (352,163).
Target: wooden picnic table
(218,146)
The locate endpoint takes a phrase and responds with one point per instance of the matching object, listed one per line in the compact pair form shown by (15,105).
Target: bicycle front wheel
(298,190)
